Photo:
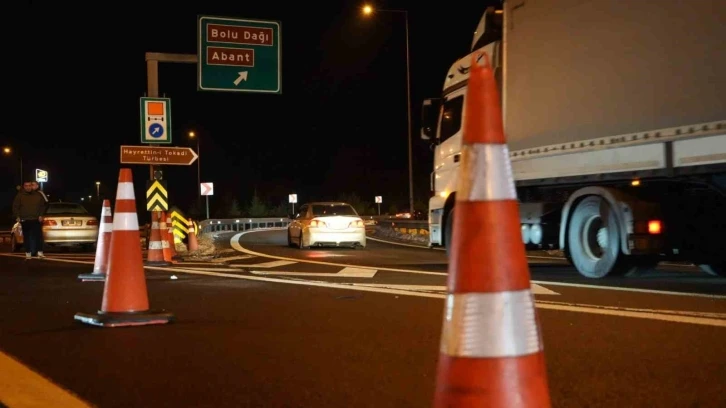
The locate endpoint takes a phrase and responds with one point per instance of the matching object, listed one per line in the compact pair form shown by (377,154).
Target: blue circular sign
(156,130)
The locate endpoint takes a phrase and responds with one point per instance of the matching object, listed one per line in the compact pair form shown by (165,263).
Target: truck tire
(593,239)
(449,231)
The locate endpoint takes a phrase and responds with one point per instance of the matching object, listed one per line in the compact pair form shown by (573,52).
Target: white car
(326,224)
(64,224)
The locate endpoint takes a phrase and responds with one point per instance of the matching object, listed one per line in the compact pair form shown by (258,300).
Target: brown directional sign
(179,156)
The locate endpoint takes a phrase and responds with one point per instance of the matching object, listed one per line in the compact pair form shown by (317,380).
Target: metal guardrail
(241,224)
(403,225)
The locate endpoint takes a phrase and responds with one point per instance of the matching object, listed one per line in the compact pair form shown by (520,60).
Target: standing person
(41,243)
(29,207)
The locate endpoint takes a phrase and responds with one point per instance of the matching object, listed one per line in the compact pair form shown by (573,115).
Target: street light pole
(199,170)
(193,135)
(408,99)
(367,10)
(98,190)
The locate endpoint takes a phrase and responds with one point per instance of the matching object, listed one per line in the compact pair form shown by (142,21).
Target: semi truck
(615,118)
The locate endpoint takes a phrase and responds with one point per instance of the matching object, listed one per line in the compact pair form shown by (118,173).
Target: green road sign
(238,55)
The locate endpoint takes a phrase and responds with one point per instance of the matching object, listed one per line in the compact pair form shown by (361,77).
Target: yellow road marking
(21,387)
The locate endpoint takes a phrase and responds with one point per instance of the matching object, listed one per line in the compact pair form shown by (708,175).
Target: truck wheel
(593,239)
(449,232)
(714,269)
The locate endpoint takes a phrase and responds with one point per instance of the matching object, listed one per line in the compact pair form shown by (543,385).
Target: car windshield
(66,208)
(333,209)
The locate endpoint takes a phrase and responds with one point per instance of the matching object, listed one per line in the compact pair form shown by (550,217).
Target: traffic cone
(100,266)
(192,243)
(164,230)
(491,347)
(125,299)
(155,255)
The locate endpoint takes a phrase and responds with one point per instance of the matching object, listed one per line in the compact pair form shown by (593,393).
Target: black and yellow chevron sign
(157,198)
(180,224)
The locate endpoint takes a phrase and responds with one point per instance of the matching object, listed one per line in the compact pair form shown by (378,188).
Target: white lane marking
(343,273)
(536,289)
(271,264)
(551,258)
(234,242)
(562,306)
(653,314)
(636,290)
(20,386)
(231,258)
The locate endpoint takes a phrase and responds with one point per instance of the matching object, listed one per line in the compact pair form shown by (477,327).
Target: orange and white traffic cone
(491,347)
(192,244)
(103,243)
(155,254)
(125,299)
(164,230)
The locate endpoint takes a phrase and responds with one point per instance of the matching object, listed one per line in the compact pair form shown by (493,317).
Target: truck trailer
(615,118)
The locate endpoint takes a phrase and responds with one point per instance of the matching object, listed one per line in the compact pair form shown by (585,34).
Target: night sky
(339,126)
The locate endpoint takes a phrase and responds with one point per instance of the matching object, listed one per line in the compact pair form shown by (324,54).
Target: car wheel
(301,238)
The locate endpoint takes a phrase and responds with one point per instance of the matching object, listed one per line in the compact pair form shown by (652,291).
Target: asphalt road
(271,326)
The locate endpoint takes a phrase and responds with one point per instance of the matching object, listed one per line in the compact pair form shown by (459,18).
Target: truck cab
(442,122)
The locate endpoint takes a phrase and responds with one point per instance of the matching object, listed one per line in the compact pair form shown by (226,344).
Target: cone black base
(111,319)
(92,276)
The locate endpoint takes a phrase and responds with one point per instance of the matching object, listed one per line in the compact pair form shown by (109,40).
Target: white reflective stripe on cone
(155,245)
(125,191)
(106,211)
(486,173)
(106,227)
(165,244)
(490,325)
(125,222)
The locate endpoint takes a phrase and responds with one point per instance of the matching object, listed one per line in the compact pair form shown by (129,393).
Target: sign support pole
(207,197)
(152,77)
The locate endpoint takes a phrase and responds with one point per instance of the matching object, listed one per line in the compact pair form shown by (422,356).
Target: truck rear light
(655,227)
(91,222)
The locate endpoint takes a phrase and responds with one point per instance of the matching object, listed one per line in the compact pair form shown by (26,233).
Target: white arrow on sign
(242,77)
(348,272)
(207,189)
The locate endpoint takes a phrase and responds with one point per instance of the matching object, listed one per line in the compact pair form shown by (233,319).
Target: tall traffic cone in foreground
(491,351)
(125,300)
(155,254)
(192,243)
(103,243)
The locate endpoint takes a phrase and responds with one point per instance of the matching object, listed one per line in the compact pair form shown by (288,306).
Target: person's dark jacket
(28,206)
